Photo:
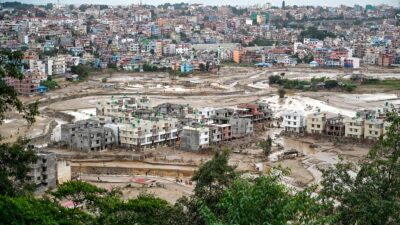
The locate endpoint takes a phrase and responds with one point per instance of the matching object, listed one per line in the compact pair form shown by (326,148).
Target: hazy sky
(220,2)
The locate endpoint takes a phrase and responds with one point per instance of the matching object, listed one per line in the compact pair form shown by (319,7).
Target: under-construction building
(43,172)
(87,135)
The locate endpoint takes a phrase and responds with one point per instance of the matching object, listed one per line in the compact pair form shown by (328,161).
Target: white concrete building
(294,121)
(206,113)
(146,133)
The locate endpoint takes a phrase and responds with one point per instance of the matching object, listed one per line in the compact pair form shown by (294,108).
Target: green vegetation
(313,85)
(368,193)
(14,166)
(262,42)
(83,71)
(385,84)
(49,83)
(150,68)
(313,32)
(10,66)
(17,5)
(266,146)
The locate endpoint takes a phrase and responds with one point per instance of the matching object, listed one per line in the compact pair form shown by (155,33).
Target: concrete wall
(63,171)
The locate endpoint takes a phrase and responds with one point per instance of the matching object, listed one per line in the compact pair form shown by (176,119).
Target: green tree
(79,192)
(11,68)
(30,210)
(266,146)
(202,67)
(145,210)
(49,83)
(266,200)
(368,193)
(281,93)
(15,163)
(330,84)
(83,71)
(211,179)
(214,176)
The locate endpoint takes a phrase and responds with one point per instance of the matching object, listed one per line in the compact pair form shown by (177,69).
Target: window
(376,132)
(318,126)
(312,125)
(295,117)
(294,123)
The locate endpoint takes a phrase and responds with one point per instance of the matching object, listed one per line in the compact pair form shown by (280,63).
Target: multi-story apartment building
(207,113)
(335,126)
(373,128)
(148,133)
(43,171)
(354,127)
(316,123)
(294,121)
(56,65)
(87,135)
(241,127)
(122,107)
(220,132)
(195,138)
(28,85)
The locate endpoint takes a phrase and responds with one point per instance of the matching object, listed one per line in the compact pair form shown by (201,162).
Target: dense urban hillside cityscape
(186,113)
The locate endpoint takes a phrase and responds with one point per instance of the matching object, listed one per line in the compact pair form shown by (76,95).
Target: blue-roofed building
(263,64)
(41,89)
(314,64)
(116,58)
(186,67)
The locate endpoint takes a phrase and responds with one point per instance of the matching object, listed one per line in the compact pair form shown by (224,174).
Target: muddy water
(289,143)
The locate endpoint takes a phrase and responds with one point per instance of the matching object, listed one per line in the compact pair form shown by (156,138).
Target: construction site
(151,132)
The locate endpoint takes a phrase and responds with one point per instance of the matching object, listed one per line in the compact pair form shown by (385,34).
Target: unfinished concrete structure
(169,109)
(63,171)
(195,138)
(254,111)
(335,126)
(43,172)
(241,127)
(220,133)
(87,135)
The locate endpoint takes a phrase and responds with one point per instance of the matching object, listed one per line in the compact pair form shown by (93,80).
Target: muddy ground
(229,87)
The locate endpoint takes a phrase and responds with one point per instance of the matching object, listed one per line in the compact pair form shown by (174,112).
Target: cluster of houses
(132,123)
(366,124)
(189,37)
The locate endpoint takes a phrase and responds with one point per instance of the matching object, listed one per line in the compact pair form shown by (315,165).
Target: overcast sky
(220,2)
